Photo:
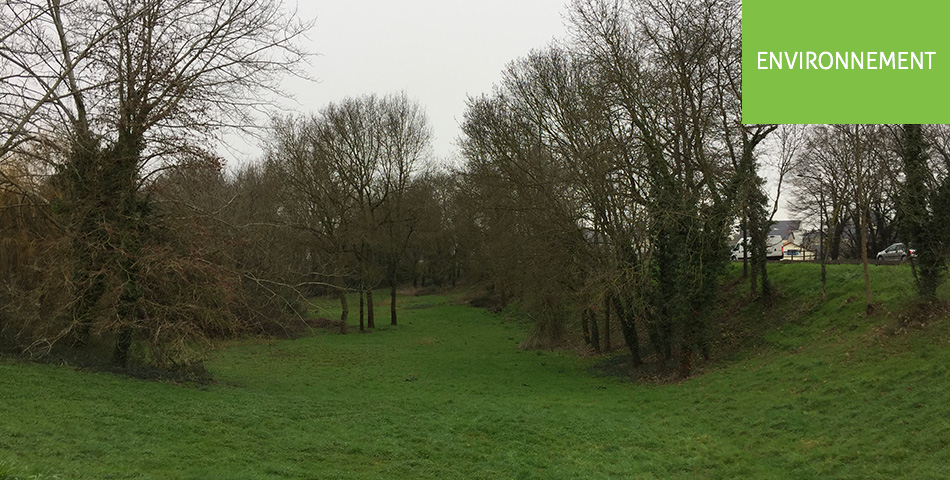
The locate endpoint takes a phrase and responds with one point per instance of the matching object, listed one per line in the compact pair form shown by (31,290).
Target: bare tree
(349,169)
(436,251)
(822,168)
(861,201)
(600,164)
(406,138)
(124,90)
(670,77)
(847,175)
(315,200)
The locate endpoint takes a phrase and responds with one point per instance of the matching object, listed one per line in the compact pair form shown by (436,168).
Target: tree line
(353,182)
(865,187)
(123,234)
(600,182)
(607,172)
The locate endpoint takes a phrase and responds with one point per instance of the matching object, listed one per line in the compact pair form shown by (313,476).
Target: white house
(795,252)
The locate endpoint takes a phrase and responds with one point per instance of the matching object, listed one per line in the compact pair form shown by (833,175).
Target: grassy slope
(447,394)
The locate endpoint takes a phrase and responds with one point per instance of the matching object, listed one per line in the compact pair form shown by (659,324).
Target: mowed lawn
(448,394)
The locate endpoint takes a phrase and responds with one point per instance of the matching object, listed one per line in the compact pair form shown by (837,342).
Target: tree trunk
(362,301)
(594,330)
(745,250)
(123,343)
(629,329)
(346,310)
(760,239)
(370,317)
(686,362)
(128,314)
(766,283)
(923,212)
(834,246)
(109,223)
(684,348)
(752,246)
(823,241)
(862,220)
(392,304)
(606,324)
(868,306)
(585,326)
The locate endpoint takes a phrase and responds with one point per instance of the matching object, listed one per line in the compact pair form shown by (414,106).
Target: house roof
(780,227)
(785,227)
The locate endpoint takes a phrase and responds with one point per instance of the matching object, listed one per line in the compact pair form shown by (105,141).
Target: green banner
(845,61)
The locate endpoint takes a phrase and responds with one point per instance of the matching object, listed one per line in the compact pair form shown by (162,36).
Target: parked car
(773,248)
(895,253)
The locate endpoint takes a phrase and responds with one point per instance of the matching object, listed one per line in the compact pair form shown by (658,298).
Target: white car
(773,249)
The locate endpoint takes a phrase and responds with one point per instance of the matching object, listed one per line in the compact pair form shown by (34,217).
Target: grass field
(816,391)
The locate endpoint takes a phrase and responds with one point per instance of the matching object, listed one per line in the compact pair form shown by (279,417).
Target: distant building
(795,252)
(789,230)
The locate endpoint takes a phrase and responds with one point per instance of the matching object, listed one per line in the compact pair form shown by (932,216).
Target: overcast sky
(437,51)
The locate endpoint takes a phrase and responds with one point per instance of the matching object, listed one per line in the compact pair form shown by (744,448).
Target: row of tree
(605,173)
(608,171)
(867,186)
(352,183)
(121,232)
(824,175)
(601,180)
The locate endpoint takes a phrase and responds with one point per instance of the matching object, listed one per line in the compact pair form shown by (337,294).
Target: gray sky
(437,51)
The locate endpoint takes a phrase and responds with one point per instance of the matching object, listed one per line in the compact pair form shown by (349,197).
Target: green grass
(818,391)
